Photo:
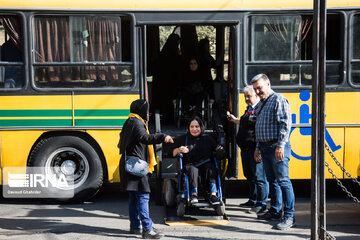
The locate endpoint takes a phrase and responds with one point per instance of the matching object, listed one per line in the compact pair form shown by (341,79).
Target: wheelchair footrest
(202,204)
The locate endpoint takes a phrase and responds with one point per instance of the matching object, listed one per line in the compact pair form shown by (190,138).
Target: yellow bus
(70,69)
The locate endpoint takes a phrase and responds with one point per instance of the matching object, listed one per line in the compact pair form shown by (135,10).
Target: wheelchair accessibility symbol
(304,117)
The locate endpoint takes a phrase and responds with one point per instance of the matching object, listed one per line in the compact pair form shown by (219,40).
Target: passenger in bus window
(272,133)
(245,139)
(13,74)
(135,141)
(195,87)
(102,79)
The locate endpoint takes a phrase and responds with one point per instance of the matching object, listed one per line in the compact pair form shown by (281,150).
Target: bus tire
(72,155)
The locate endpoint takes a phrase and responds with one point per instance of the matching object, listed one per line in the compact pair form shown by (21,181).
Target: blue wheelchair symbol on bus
(304,117)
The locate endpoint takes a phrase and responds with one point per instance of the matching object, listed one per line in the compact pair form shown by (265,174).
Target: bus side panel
(16,146)
(339,139)
(108,140)
(352,152)
(300,137)
(104,111)
(242,108)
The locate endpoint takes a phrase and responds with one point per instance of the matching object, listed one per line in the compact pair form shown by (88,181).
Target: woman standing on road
(135,141)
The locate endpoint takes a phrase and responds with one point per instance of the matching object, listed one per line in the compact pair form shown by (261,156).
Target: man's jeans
(256,177)
(139,210)
(277,173)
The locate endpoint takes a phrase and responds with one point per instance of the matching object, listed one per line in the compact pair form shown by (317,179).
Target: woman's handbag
(136,166)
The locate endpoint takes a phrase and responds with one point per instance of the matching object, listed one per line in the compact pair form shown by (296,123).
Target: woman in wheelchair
(197,149)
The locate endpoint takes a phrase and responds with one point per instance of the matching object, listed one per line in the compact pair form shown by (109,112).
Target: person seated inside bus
(101,79)
(13,74)
(198,153)
(195,87)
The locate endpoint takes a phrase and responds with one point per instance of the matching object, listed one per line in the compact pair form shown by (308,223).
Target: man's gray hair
(249,88)
(258,77)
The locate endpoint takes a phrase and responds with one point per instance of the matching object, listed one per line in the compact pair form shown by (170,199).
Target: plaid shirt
(274,120)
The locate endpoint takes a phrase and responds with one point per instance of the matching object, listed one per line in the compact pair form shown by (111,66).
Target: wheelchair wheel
(180,209)
(169,193)
(220,209)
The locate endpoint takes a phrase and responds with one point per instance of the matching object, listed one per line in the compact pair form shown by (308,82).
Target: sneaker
(286,223)
(194,199)
(214,200)
(269,216)
(258,210)
(135,230)
(152,234)
(247,204)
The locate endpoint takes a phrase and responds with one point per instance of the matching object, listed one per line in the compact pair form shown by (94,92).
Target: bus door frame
(236,25)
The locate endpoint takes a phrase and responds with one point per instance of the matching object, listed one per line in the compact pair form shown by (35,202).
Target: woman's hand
(181,149)
(168,139)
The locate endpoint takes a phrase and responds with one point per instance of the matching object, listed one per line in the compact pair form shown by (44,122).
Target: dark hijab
(202,127)
(140,107)
(200,147)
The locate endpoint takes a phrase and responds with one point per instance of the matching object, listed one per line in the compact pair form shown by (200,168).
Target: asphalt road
(106,217)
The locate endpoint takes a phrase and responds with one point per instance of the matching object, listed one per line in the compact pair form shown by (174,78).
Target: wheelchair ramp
(195,217)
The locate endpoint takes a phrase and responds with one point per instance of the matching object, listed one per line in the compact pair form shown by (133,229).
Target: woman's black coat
(200,148)
(134,139)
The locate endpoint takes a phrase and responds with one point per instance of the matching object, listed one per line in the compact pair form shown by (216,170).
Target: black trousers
(207,173)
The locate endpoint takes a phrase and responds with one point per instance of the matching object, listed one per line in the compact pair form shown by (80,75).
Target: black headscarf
(140,107)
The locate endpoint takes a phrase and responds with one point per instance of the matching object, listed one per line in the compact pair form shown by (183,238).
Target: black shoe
(135,230)
(152,234)
(247,204)
(214,200)
(269,216)
(258,210)
(194,199)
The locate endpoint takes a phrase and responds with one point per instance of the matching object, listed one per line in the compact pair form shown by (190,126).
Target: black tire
(169,193)
(180,209)
(70,154)
(220,209)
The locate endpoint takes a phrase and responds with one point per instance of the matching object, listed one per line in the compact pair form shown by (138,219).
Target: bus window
(11,61)
(355,56)
(82,51)
(281,47)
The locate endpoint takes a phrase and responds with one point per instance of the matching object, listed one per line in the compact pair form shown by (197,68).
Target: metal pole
(318,210)
(314,126)
(322,84)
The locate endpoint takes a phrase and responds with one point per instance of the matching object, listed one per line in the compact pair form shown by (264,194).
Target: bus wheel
(70,156)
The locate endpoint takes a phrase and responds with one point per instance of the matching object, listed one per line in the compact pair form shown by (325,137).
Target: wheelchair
(178,192)
(183,114)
